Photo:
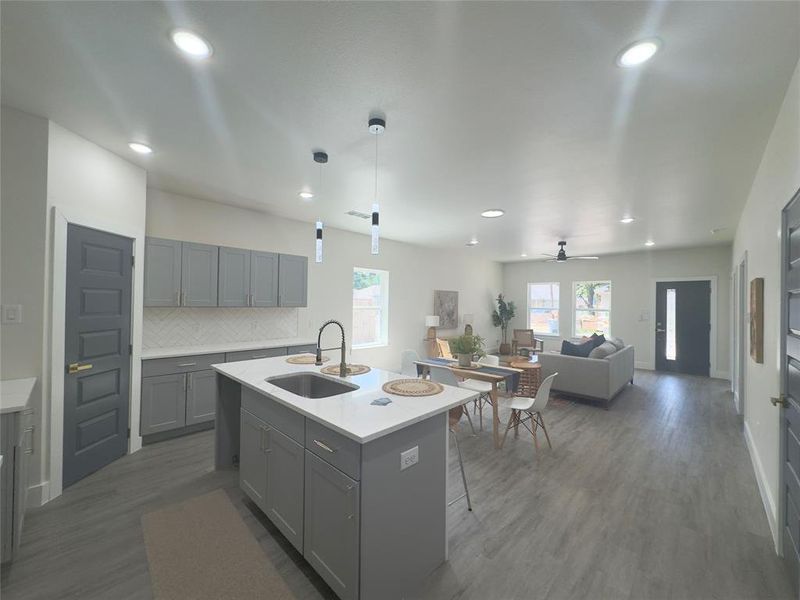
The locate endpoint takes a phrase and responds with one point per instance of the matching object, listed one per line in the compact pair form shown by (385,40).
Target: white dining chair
(533,408)
(482,387)
(445,376)
(407,365)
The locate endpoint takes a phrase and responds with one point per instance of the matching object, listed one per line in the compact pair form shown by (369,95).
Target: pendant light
(377,126)
(320,158)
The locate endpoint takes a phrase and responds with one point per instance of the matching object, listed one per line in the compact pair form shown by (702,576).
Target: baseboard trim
(38,495)
(766,497)
(721,375)
(643,365)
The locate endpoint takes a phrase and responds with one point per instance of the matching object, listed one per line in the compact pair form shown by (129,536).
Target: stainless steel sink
(311,385)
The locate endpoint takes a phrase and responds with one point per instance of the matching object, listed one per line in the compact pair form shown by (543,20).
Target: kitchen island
(358,487)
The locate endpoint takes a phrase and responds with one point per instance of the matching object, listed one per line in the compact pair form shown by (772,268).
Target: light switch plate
(409,458)
(12,313)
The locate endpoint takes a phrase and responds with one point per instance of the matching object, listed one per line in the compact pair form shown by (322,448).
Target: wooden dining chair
(524,339)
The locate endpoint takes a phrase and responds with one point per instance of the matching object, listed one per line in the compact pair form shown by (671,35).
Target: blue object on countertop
(381,401)
(512,378)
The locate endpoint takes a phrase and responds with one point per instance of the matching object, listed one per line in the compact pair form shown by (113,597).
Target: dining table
(489,373)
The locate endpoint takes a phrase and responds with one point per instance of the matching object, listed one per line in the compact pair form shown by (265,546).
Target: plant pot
(505,348)
(465,360)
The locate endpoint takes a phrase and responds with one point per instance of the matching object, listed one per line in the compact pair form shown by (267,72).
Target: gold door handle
(780,401)
(76,367)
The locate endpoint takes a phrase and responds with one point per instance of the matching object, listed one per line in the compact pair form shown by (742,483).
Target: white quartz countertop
(351,414)
(15,393)
(148,353)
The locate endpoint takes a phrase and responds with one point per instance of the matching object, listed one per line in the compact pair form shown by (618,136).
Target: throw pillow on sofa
(581,350)
(604,350)
(616,341)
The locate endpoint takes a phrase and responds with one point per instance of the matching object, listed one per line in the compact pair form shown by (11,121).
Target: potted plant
(465,347)
(501,317)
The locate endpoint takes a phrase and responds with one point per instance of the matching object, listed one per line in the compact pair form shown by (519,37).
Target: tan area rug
(201,548)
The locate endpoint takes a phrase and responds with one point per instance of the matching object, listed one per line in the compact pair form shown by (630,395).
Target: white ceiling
(511,105)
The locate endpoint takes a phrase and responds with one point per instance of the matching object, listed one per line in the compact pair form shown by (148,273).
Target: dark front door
(790,374)
(683,323)
(97,350)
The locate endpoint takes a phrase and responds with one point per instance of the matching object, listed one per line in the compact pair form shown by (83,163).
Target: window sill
(367,346)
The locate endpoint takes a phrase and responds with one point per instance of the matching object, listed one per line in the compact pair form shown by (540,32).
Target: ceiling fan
(562,255)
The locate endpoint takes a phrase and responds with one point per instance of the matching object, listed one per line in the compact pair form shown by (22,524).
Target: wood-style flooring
(654,498)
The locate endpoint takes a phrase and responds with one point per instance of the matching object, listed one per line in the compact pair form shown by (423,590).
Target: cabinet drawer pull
(258,356)
(187,364)
(324,446)
(265,445)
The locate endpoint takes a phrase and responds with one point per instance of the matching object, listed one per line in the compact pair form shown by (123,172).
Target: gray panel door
(253,459)
(96,350)
(264,278)
(330,540)
(683,323)
(201,396)
(285,466)
(162,272)
(293,280)
(200,264)
(234,277)
(163,403)
(790,386)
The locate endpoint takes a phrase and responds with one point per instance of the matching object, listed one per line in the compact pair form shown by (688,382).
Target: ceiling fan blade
(550,255)
(584,258)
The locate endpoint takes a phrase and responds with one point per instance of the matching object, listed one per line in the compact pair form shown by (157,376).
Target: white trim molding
(766,497)
(53,409)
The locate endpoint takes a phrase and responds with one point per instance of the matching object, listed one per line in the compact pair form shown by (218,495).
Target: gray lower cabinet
(253,459)
(292,280)
(201,396)
(162,272)
(199,272)
(16,446)
(331,539)
(163,403)
(234,277)
(284,499)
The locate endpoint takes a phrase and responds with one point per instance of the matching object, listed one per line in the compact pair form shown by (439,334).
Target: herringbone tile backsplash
(178,327)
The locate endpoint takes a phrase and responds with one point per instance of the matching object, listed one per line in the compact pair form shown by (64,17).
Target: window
(370,308)
(672,349)
(543,308)
(592,307)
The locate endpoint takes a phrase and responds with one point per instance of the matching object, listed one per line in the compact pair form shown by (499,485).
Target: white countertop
(15,394)
(350,414)
(148,353)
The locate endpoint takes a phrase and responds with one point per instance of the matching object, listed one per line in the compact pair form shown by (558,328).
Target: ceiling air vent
(359,214)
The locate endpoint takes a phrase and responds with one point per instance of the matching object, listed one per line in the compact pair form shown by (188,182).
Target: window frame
(557,308)
(575,308)
(383,309)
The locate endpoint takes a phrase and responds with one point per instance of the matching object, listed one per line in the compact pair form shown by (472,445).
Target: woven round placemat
(413,387)
(351,370)
(305,359)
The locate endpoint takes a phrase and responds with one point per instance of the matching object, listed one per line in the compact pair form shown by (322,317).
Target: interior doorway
(683,327)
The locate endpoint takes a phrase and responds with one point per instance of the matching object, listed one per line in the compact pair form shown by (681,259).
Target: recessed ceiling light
(140,148)
(637,53)
(523,255)
(190,43)
(493,213)
(649,243)
(627,220)
(306,195)
(472,242)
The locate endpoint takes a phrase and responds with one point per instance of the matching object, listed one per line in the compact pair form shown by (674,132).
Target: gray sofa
(593,378)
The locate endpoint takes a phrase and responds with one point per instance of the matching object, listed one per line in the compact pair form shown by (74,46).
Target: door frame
(741,334)
(61,217)
(712,332)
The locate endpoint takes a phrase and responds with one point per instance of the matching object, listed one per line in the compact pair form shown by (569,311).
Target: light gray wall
(414,272)
(758,235)
(632,278)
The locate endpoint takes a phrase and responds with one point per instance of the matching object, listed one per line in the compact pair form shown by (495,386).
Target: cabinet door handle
(324,446)
(265,445)
(29,430)
(183,299)
(188,381)
(187,364)
(177,296)
(184,383)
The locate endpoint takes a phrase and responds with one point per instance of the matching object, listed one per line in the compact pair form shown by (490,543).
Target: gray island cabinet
(335,476)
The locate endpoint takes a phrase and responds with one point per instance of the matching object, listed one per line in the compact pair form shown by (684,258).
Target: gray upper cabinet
(253,459)
(163,403)
(199,270)
(201,396)
(331,536)
(234,277)
(293,281)
(162,272)
(264,278)
(284,500)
